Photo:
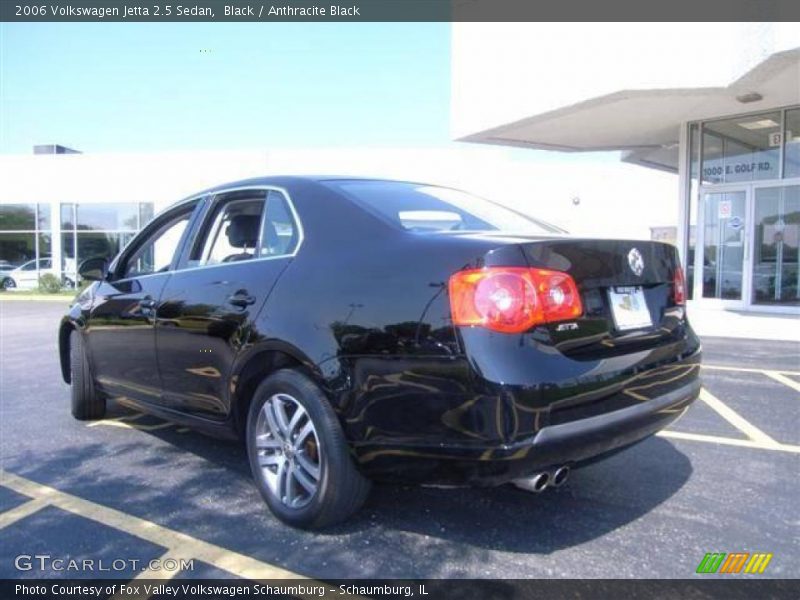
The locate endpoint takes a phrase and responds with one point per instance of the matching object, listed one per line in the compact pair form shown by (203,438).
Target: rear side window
(244,225)
(425,208)
(233,231)
(280,234)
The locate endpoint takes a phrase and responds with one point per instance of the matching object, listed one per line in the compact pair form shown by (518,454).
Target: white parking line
(749,370)
(775,374)
(17,513)
(177,543)
(713,439)
(735,419)
(781,378)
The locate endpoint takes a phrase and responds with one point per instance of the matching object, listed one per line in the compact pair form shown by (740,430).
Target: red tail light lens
(679,286)
(512,299)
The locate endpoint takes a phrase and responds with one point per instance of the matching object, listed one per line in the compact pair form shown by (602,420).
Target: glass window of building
(102,229)
(742,188)
(723,245)
(17,217)
(16,248)
(25,235)
(108,217)
(740,149)
(776,248)
(791,159)
(145,213)
(68,216)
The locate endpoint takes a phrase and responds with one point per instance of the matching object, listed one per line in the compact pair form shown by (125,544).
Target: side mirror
(94,269)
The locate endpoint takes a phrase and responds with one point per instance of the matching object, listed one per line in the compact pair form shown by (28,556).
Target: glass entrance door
(776,251)
(724,243)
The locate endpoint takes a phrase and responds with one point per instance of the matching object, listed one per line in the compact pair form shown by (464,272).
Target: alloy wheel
(288,450)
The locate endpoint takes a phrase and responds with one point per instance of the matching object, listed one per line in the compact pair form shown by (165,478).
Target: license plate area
(629,308)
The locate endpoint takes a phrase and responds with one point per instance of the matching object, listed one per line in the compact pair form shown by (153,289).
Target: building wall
(502,72)
(576,195)
(111,195)
(160,178)
(544,187)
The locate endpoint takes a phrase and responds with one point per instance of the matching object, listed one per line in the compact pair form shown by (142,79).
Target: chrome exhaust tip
(560,476)
(536,483)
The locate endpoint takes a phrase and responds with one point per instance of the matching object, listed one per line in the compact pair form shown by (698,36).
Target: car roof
(281,180)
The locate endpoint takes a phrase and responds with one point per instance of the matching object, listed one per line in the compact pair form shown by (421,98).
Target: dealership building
(718,104)
(711,108)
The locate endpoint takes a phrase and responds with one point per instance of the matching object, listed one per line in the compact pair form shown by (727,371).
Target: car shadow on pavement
(597,499)
(201,486)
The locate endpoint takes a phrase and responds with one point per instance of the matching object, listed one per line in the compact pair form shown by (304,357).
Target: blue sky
(112,87)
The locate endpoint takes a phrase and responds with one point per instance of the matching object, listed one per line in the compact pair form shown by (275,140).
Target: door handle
(147,302)
(241,299)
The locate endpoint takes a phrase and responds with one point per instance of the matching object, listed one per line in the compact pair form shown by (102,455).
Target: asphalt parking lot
(725,478)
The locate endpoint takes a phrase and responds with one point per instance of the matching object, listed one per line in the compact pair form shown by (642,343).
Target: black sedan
(356,329)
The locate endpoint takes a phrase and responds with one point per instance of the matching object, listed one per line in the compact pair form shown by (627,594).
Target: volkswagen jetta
(352,330)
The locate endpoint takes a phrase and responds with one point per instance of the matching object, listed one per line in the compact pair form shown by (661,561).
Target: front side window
(155,254)
(428,208)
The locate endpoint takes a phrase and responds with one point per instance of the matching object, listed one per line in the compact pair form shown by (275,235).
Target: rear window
(424,208)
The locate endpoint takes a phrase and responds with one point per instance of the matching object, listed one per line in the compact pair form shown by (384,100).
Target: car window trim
(208,213)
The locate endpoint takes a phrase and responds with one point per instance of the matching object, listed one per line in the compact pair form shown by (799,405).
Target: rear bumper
(552,446)
(587,438)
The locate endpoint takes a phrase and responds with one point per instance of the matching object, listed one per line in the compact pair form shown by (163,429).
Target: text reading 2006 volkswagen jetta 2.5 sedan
(357,329)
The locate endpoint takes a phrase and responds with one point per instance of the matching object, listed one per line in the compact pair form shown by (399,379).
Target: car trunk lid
(627,290)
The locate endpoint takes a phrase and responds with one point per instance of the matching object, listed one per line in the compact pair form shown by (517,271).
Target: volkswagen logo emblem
(636,262)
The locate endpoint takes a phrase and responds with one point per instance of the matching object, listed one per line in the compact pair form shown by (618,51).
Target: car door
(27,276)
(120,325)
(208,307)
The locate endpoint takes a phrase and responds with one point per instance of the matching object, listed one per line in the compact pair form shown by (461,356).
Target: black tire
(341,489)
(9,284)
(87,403)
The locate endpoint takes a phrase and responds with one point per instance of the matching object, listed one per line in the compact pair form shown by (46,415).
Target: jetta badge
(636,262)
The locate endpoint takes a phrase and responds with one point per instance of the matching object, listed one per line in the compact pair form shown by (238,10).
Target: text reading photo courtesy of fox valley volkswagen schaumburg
(135,589)
(253,11)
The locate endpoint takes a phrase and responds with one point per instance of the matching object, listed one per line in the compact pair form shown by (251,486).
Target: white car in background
(26,276)
(5,269)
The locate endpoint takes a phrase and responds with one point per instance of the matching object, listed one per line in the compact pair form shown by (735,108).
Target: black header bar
(397,10)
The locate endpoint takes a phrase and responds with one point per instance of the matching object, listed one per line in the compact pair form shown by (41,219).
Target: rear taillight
(512,299)
(679,286)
